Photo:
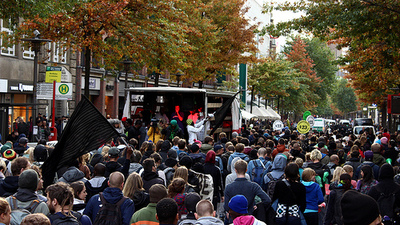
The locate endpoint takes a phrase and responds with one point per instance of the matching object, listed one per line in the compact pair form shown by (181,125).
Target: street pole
(36,43)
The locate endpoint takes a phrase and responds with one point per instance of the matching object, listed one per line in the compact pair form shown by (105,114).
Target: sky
(278,16)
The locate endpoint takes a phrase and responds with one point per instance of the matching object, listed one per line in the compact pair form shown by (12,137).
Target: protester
(134,190)
(238,212)
(9,185)
(191,201)
(147,215)
(60,200)
(205,214)
(167,211)
(111,195)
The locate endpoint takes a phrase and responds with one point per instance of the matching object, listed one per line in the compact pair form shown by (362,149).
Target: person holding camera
(154,131)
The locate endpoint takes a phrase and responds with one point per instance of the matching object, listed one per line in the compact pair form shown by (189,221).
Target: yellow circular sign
(63,89)
(303,126)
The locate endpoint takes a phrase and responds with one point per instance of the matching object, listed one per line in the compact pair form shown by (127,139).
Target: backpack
(109,214)
(258,172)
(66,220)
(272,183)
(18,214)
(387,207)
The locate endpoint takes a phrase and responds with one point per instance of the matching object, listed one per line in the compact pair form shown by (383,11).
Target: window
(59,53)
(56,52)
(5,27)
(28,53)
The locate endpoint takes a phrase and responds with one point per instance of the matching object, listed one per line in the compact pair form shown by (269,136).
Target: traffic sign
(306,114)
(310,120)
(63,91)
(278,125)
(303,126)
(53,73)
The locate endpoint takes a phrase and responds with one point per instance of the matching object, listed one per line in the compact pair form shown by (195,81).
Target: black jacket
(9,186)
(149,179)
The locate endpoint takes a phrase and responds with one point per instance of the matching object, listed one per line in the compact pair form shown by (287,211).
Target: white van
(319,125)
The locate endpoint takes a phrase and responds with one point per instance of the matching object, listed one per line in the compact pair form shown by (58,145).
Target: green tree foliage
(343,97)
(368,27)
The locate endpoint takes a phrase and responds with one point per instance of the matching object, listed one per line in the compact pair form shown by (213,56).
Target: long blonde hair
(133,184)
(182,172)
(336,174)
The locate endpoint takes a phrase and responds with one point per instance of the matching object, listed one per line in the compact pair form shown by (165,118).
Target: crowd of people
(259,176)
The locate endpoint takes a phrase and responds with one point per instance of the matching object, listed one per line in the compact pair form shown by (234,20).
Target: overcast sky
(278,16)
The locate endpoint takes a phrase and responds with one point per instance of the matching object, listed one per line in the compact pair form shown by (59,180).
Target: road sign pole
(53,109)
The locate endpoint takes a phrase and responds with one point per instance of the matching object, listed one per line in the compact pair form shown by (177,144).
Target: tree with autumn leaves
(201,38)
(291,78)
(369,28)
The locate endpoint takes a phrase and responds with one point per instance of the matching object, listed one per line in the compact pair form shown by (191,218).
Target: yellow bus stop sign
(303,126)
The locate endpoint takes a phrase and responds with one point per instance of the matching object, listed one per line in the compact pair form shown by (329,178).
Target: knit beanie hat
(238,204)
(157,192)
(191,201)
(40,153)
(173,122)
(386,172)
(9,154)
(210,157)
(369,155)
(358,208)
(28,179)
(6,146)
(172,154)
(384,140)
(186,161)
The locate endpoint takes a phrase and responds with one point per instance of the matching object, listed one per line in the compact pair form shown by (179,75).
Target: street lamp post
(36,43)
(178,78)
(126,63)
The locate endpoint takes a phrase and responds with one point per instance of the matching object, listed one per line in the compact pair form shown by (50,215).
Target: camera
(154,122)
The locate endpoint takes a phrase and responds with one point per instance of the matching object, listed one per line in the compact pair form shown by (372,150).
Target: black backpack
(387,207)
(109,214)
(271,184)
(66,220)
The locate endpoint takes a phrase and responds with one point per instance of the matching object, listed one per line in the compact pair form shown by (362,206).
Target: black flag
(221,113)
(86,130)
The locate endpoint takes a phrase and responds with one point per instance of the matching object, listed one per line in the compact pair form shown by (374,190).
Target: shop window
(5,27)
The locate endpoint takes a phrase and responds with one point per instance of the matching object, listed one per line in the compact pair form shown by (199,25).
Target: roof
(167,89)
(181,90)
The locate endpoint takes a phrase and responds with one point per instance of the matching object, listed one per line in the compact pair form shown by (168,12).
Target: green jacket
(147,215)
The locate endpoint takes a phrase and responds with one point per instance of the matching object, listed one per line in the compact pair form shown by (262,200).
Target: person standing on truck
(178,117)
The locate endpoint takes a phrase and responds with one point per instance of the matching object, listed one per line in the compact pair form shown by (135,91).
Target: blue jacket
(314,196)
(241,186)
(111,195)
(237,154)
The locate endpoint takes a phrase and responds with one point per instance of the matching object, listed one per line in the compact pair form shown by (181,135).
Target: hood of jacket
(73,174)
(112,195)
(140,197)
(310,186)
(209,220)
(206,147)
(279,162)
(195,156)
(244,220)
(149,175)
(113,166)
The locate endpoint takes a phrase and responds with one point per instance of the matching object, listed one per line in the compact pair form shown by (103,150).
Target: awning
(275,116)
(260,113)
(246,115)
(268,114)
